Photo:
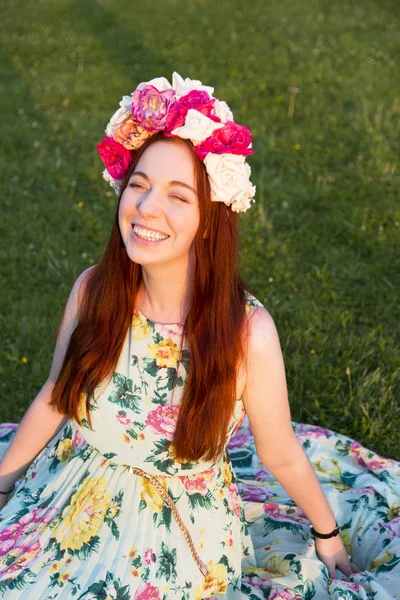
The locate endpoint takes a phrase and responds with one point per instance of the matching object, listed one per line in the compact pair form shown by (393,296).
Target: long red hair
(214,326)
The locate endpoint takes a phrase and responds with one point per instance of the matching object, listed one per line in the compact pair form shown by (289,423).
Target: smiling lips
(148,234)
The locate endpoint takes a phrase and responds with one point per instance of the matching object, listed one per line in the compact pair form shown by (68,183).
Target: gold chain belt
(154,479)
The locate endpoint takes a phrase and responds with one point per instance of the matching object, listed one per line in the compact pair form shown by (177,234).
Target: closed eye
(135,185)
(179,198)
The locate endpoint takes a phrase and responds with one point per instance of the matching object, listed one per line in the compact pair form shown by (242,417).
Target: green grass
(320,248)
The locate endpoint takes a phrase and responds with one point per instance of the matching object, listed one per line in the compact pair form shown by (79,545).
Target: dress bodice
(134,413)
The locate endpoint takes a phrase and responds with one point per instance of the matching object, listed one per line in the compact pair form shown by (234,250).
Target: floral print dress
(81,524)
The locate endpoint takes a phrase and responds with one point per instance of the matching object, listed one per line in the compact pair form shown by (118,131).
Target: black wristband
(325,536)
(9,491)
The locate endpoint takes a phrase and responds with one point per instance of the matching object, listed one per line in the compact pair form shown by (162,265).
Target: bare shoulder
(262,329)
(82,278)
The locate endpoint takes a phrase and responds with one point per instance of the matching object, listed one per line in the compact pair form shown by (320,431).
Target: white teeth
(147,235)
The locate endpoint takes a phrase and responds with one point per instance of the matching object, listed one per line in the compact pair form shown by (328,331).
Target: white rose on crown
(184,86)
(197,127)
(229,176)
(222,110)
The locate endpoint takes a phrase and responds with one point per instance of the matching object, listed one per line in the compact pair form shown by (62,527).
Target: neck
(165,292)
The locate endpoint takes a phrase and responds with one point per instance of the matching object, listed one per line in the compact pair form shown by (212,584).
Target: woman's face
(160,201)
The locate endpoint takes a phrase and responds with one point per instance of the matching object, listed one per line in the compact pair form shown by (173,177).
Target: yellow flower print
(140,328)
(54,567)
(83,517)
(132,553)
(150,495)
(276,566)
(215,582)
(345,537)
(135,572)
(126,438)
(227,474)
(112,511)
(377,562)
(342,487)
(165,352)
(172,454)
(65,450)
(64,577)
(330,466)
(394,511)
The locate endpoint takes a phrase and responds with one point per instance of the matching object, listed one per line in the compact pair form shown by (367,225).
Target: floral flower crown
(186,110)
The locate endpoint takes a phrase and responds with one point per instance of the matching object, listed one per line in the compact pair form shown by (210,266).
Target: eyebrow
(173,182)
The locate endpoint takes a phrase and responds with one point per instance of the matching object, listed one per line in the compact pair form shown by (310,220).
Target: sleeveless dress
(83,524)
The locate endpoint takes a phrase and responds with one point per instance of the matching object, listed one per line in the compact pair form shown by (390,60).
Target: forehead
(169,160)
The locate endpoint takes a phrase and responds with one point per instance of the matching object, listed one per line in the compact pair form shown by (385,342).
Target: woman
(124,486)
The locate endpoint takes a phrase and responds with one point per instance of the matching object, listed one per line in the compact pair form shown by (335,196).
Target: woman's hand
(334,556)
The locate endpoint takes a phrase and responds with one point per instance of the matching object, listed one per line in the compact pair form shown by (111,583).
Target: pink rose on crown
(230,139)
(150,107)
(197,100)
(115,157)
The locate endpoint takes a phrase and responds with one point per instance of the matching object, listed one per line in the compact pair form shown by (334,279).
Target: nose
(149,204)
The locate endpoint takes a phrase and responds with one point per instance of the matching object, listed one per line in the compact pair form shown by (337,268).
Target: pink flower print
(197,100)
(239,440)
(393,528)
(77,439)
(284,513)
(199,483)
(229,139)
(285,594)
(146,591)
(257,582)
(149,557)
(234,500)
(18,557)
(366,458)
(353,586)
(5,428)
(163,420)
(311,431)
(123,418)
(150,107)
(254,493)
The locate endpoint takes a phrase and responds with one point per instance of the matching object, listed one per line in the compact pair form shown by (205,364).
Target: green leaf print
(125,395)
(110,589)
(110,455)
(306,591)
(167,561)
(185,360)
(200,501)
(20,582)
(348,478)
(346,594)
(160,398)
(342,448)
(150,366)
(170,379)
(135,432)
(160,457)
(114,529)
(88,548)
(389,566)
(271,525)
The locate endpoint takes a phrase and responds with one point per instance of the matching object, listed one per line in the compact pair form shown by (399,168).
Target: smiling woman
(118,482)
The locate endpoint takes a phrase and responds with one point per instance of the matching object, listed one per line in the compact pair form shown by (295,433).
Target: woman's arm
(266,402)
(42,421)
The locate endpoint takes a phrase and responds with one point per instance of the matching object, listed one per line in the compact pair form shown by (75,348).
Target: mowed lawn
(318,85)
